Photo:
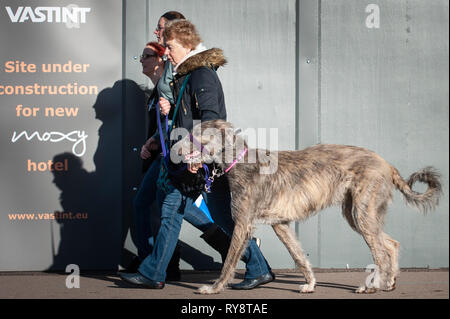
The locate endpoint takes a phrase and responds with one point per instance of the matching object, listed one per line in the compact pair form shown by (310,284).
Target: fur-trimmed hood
(210,58)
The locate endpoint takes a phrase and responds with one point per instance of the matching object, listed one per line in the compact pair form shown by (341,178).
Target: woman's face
(151,63)
(160,29)
(175,51)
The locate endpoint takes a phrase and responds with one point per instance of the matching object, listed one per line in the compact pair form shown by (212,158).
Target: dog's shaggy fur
(304,183)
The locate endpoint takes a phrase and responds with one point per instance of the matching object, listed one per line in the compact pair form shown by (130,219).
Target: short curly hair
(184,32)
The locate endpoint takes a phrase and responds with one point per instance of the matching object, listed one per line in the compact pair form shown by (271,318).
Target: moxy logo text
(71,15)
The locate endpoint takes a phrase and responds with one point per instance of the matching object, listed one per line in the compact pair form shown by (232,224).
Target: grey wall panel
(386,89)
(136,36)
(308,108)
(134,115)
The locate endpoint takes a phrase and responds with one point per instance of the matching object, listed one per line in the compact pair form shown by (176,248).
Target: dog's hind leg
(241,234)
(392,247)
(287,237)
(369,224)
(384,254)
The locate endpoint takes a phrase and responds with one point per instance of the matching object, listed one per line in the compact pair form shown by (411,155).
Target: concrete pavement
(331,284)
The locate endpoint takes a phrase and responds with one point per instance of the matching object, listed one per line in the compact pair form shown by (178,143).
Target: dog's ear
(233,143)
(226,128)
(222,125)
(215,136)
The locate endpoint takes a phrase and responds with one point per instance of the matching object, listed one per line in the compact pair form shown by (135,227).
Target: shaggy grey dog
(303,183)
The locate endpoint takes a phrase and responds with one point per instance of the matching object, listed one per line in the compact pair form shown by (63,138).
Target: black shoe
(217,239)
(220,241)
(247,284)
(140,280)
(133,266)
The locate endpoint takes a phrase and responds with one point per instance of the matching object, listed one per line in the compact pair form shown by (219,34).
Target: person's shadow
(97,206)
(78,217)
(94,241)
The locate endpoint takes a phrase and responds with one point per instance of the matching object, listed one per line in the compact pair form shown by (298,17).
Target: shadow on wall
(97,206)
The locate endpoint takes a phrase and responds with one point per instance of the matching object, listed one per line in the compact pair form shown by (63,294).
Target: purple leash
(161,136)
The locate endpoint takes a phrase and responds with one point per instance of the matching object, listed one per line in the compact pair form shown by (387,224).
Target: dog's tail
(423,201)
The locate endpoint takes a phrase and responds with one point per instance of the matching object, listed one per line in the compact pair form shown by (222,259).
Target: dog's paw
(366,290)
(390,286)
(307,288)
(207,290)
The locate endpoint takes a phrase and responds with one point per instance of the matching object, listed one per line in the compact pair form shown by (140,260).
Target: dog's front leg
(238,243)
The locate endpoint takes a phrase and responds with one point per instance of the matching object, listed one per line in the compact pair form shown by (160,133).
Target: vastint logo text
(71,15)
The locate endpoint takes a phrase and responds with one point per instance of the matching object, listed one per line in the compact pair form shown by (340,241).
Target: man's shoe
(140,280)
(253,283)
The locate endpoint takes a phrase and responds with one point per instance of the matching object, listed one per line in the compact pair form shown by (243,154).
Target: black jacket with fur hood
(202,100)
(203,97)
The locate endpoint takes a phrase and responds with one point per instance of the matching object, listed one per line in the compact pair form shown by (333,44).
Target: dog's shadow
(279,279)
(302,281)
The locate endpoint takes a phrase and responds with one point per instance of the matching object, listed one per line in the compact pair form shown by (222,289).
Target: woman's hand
(193,167)
(164,106)
(150,145)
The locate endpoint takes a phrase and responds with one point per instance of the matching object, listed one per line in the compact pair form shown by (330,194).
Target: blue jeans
(175,207)
(148,222)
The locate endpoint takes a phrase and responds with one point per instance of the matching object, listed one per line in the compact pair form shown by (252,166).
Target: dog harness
(209,179)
